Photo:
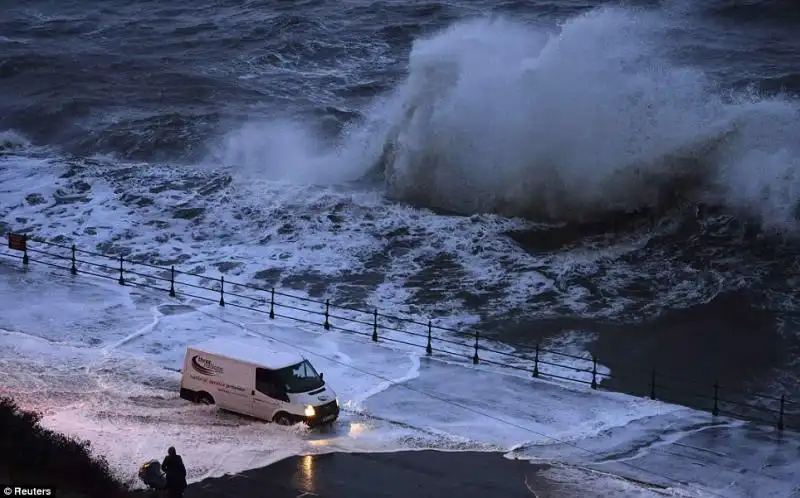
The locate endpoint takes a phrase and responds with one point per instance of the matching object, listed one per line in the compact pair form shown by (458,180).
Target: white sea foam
(504,104)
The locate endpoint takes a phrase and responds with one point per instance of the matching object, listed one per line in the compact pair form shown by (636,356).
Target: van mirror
(322,377)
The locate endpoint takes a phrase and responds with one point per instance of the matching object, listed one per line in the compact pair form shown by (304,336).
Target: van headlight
(310,411)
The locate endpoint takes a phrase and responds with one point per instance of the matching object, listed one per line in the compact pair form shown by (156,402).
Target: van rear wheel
(205,399)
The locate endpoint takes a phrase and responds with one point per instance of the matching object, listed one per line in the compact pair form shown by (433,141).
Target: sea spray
(567,124)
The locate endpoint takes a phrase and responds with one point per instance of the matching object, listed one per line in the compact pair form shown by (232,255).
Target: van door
(268,395)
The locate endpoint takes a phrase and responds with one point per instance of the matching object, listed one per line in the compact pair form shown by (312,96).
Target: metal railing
(543,363)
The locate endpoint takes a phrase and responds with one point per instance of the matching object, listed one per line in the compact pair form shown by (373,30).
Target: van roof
(250,352)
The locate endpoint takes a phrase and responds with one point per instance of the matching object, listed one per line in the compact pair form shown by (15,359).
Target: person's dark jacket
(176,472)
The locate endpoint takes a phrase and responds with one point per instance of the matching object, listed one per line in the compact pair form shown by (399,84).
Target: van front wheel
(283,419)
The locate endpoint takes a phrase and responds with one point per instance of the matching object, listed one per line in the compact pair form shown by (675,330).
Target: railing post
(475,358)
(594,372)
(121,277)
(272,303)
(653,384)
(327,314)
(780,414)
(536,362)
(25,258)
(172,282)
(375,325)
(74,269)
(222,291)
(715,410)
(429,347)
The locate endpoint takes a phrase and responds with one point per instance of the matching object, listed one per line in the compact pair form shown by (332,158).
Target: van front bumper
(323,414)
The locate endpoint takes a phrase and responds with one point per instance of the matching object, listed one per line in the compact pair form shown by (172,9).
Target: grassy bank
(33,455)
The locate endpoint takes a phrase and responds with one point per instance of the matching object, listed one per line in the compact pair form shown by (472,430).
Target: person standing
(176,473)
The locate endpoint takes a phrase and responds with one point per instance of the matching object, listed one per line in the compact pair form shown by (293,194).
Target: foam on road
(101,361)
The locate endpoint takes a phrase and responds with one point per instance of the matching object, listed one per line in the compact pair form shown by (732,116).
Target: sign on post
(17,242)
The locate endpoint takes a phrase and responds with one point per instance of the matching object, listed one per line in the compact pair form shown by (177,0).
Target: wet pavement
(418,474)
(712,461)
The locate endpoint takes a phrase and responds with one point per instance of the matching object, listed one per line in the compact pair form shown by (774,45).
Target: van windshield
(300,378)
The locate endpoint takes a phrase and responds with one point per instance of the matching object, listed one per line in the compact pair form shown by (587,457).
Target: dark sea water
(619,179)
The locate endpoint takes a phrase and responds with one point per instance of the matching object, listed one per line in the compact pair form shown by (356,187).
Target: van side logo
(204,366)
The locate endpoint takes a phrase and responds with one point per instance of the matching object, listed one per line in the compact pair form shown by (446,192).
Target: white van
(249,379)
